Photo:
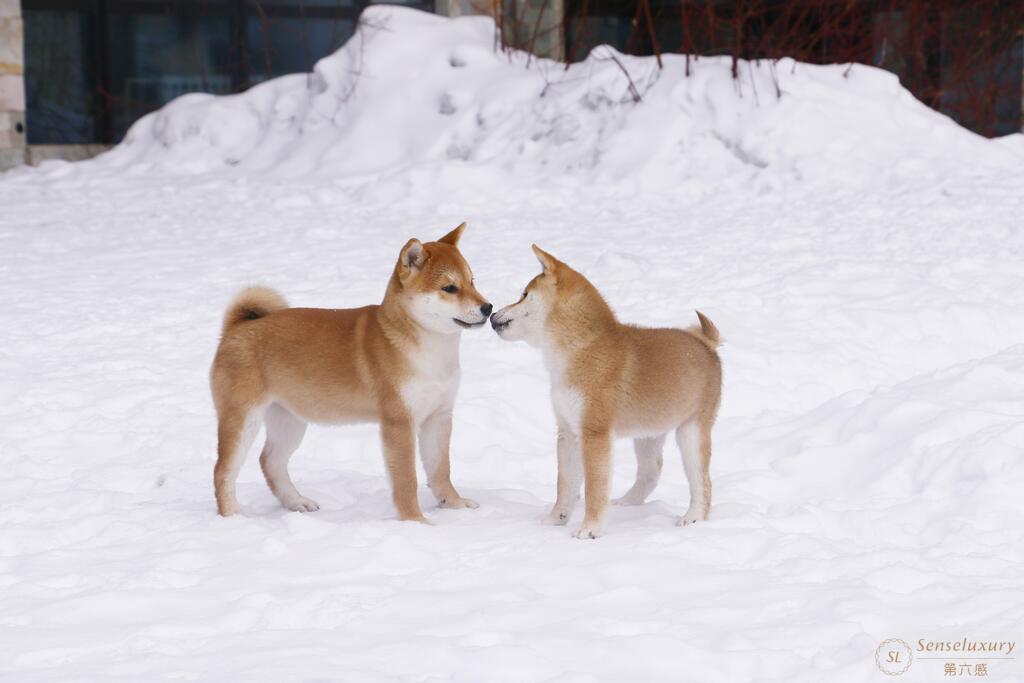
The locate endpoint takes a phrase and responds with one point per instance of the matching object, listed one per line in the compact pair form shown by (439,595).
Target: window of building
(94,67)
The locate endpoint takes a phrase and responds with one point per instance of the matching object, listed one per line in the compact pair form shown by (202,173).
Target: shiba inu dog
(396,364)
(608,379)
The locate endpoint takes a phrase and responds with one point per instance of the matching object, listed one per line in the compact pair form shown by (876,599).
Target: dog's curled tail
(706,332)
(252,303)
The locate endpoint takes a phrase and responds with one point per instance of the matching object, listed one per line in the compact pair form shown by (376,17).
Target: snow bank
(414,90)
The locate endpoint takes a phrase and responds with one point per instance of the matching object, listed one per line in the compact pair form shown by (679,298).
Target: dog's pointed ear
(452,238)
(411,259)
(547,261)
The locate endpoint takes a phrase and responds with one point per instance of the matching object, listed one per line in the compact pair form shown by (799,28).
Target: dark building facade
(93,67)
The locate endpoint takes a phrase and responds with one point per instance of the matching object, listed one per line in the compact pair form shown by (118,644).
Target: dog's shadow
(351,498)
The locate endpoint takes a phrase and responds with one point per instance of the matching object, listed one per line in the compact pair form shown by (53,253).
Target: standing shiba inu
(608,378)
(396,364)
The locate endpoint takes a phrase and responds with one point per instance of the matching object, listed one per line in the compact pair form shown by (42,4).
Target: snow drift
(412,89)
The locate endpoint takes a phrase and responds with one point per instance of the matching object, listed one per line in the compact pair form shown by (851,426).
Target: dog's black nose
(486,309)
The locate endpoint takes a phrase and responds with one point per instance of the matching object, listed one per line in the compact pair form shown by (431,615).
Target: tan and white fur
(612,379)
(396,364)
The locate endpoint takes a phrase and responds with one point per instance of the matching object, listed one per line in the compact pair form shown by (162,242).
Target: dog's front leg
(570,475)
(435,443)
(399,443)
(596,445)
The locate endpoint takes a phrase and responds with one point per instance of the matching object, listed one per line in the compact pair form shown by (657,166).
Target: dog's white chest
(566,401)
(423,396)
(568,406)
(434,382)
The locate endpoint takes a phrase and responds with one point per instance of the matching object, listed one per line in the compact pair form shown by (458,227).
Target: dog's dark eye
(451,289)
(524,294)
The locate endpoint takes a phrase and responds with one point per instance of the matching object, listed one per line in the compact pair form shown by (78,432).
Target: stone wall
(460,8)
(12,86)
(526,23)
(536,26)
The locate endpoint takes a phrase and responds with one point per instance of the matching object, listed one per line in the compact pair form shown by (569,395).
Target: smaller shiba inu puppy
(612,379)
(396,364)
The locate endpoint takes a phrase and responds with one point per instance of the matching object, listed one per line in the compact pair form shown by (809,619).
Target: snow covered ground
(860,253)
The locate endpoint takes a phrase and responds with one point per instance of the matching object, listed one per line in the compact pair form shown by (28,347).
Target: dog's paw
(301,504)
(229,509)
(557,518)
(691,517)
(458,503)
(587,531)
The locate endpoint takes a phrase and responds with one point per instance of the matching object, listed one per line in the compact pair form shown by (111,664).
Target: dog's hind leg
(284,434)
(649,459)
(694,439)
(236,429)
